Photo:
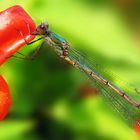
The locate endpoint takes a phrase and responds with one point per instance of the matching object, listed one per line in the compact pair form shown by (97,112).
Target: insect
(119,99)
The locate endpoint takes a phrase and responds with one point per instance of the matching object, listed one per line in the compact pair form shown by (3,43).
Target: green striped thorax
(61,42)
(58,40)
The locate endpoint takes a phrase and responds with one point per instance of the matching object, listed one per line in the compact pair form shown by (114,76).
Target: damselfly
(119,99)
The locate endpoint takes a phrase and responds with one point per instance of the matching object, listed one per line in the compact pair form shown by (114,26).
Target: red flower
(5,99)
(15,26)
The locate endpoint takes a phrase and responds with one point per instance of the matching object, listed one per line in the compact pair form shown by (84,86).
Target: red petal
(5,99)
(13,21)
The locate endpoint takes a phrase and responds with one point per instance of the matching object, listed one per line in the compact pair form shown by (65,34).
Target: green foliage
(46,102)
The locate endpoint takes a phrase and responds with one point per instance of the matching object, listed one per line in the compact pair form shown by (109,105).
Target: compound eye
(42,26)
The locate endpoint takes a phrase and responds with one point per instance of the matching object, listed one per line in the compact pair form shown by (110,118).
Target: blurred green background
(48,103)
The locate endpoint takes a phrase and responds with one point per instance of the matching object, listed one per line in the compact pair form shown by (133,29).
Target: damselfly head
(42,28)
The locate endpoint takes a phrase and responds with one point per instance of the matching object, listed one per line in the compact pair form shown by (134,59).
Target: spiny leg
(31,57)
(36,52)
(25,39)
(34,41)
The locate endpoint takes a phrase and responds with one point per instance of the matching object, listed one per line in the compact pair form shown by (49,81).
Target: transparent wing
(134,92)
(126,110)
(129,112)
